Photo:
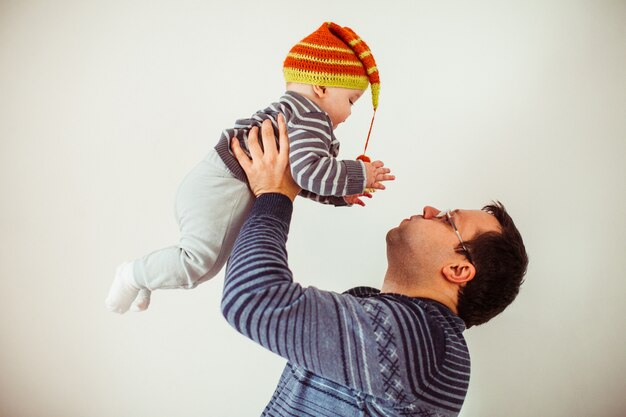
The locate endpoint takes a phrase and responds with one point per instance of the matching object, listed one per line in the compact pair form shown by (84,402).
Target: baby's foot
(142,301)
(124,290)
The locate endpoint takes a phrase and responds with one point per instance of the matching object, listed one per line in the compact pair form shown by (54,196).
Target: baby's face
(337,102)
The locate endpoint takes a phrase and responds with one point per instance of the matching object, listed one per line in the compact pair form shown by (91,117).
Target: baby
(326,73)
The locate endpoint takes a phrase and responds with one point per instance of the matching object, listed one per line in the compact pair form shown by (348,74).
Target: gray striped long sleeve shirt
(361,353)
(313,149)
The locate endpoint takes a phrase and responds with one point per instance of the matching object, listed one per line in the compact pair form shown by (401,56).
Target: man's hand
(268,170)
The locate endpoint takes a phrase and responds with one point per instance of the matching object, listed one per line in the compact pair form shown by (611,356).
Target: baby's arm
(375,174)
(322,176)
(324,199)
(315,169)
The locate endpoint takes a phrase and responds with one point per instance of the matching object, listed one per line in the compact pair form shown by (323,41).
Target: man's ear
(459,272)
(320,91)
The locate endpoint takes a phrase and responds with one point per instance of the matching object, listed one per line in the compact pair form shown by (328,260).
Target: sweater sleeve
(377,346)
(306,326)
(314,167)
(329,199)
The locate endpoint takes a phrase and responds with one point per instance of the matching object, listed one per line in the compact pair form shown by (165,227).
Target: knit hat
(333,56)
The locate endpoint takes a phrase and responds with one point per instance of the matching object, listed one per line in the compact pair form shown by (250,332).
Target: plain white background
(104,107)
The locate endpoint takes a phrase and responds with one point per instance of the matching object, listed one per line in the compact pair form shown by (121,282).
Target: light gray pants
(211,207)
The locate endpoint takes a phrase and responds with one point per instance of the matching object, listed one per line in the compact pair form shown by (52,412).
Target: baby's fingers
(385,177)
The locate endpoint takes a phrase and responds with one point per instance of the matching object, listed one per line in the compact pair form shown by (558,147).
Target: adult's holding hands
(268,169)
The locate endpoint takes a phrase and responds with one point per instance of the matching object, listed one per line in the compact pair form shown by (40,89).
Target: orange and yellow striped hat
(333,56)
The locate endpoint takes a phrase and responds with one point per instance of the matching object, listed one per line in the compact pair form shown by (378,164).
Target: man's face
(431,241)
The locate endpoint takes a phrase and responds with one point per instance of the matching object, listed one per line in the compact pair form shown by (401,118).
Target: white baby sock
(125,290)
(142,301)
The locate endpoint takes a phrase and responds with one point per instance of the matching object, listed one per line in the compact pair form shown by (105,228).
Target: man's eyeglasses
(448,215)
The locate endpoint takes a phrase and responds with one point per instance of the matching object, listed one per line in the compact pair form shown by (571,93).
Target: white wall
(104,106)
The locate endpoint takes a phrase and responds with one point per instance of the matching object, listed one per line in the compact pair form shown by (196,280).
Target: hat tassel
(364,157)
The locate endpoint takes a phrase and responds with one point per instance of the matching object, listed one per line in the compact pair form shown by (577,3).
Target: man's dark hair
(500,260)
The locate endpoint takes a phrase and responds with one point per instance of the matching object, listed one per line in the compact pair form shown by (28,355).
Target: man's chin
(392,235)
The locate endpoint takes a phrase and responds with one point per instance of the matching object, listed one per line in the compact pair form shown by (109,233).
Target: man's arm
(385,346)
(357,342)
(324,332)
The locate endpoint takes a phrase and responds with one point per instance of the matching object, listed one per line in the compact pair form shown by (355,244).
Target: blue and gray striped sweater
(361,353)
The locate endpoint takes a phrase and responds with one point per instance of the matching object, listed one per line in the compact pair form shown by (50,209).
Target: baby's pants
(211,207)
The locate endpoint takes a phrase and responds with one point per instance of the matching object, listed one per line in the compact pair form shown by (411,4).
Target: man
(395,352)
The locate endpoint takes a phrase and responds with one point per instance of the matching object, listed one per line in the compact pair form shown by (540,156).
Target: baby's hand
(356,198)
(375,173)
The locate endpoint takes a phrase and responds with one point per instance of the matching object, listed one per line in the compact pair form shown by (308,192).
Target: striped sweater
(361,353)
(313,149)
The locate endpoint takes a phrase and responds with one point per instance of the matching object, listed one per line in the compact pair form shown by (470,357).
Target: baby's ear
(319,90)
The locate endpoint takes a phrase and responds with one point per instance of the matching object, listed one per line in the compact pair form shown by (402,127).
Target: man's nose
(430,212)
